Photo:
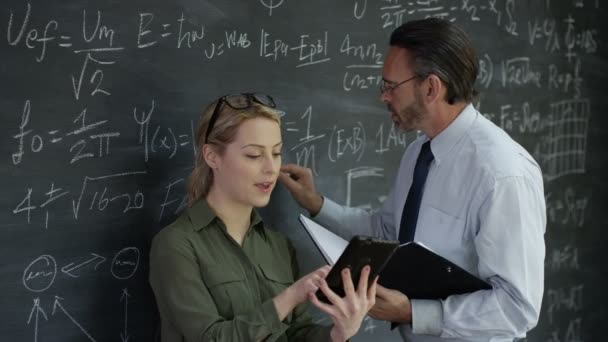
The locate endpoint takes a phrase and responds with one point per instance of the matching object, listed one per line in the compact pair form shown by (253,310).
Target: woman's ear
(211,157)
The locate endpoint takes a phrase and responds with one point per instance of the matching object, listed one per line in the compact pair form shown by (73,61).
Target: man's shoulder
(497,152)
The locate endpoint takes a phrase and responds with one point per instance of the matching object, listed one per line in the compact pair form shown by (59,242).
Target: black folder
(420,273)
(412,268)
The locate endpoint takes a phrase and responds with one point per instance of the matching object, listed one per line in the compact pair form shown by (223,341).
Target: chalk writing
(40,274)
(305,149)
(309,50)
(360,172)
(343,142)
(393,138)
(565,258)
(567,207)
(564,147)
(570,298)
(101,102)
(125,263)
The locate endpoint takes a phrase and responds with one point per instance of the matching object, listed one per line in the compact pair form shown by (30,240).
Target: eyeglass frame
(251,98)
(384,89)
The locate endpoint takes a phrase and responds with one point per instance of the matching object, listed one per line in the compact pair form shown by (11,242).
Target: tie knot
(426,155)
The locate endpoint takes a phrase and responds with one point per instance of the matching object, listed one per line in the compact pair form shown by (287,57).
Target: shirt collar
(202,216)
(447,139)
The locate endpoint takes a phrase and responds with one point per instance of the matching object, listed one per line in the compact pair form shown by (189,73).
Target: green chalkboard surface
(98,100)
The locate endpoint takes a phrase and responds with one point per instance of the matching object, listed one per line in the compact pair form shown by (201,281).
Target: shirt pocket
(227,289)
(445,234)
(277,279)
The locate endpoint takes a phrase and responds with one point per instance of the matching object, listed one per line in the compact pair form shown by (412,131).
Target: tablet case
(360,251)
(413,268)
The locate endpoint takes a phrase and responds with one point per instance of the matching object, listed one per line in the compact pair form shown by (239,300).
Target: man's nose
(384,97)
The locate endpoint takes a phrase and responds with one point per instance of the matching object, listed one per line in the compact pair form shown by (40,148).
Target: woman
(217,272)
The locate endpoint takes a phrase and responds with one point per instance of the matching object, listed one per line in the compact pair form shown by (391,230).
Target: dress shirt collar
(202,216)
(449,137)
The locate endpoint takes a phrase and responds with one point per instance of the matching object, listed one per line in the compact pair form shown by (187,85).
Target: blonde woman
(218,273)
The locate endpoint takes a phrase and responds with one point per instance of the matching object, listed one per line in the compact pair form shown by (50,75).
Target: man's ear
(211,156)
(434,89)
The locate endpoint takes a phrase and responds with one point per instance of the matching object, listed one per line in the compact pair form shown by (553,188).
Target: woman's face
(248,170)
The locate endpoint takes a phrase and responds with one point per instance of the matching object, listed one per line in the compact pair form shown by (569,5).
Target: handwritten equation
(114,137)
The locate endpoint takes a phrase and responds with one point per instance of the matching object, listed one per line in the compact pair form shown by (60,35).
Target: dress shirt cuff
(427,316)
(327,208)
(271,318)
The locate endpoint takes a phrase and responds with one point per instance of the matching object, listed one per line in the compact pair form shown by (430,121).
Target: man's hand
(391,305)
(298,180)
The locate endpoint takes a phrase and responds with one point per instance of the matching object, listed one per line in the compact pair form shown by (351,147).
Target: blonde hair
(222,133)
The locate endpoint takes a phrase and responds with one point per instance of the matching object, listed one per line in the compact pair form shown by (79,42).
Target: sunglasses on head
(238,101)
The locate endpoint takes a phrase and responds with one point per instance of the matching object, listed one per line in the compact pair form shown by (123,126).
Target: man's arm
(342,220)
(511,250)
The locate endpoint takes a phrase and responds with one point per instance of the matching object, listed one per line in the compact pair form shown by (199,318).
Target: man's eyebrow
(261,146)
(388,81)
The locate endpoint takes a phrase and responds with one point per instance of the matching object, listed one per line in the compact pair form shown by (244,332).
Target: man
(464,188)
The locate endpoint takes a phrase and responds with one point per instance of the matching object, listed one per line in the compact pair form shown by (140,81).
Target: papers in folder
(328,243)
(414,269)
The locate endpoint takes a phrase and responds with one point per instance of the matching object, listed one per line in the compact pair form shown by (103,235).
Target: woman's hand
(298,292)
(348,312)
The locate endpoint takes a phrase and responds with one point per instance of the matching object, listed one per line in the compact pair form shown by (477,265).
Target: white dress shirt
(483,208)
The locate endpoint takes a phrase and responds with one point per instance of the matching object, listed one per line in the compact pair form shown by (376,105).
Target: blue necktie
(414,196)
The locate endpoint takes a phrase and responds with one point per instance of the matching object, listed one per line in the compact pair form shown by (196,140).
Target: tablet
(360,251)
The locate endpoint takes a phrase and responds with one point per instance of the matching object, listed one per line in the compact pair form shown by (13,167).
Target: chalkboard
(99,100)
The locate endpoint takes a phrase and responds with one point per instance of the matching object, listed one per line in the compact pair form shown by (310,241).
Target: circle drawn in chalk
(40,274)
(125,263)
(270,4)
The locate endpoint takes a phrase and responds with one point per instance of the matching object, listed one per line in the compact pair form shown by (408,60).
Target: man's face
(404,101)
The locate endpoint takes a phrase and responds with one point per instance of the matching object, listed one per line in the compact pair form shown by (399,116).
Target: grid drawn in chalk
(566,142)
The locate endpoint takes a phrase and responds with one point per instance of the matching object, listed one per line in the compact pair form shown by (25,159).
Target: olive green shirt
(209,288)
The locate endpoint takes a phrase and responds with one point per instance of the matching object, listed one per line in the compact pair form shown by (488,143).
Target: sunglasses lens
(238,101)
(242,101)
(265,100)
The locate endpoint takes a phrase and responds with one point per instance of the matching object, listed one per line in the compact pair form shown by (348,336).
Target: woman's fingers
(331,296)
(371,292)
(327,308)
(347,283)
(363,280)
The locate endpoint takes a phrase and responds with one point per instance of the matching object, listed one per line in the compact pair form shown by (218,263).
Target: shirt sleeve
(511,250)
(184,299)
(348,222)
(301,327)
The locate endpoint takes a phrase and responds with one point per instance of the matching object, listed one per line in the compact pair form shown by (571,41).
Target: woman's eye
(252,156)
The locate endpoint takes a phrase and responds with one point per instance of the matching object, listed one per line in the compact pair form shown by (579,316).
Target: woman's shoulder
(173,235)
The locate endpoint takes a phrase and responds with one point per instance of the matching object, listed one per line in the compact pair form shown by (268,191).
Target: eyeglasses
(389,88)
(238,101)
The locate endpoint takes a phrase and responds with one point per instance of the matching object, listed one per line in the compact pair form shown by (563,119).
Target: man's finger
(381,291)
(287,180)
(293,170)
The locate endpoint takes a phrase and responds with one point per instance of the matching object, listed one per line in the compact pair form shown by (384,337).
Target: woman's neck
(235,216)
